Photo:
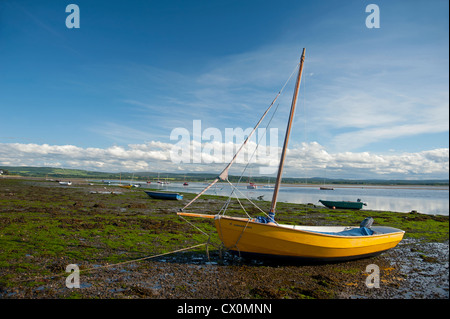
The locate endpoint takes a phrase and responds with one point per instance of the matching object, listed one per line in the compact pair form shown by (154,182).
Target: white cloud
(313,160)
(114,158)
(305,160)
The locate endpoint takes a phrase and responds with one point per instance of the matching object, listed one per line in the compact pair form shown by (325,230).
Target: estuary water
(423,199)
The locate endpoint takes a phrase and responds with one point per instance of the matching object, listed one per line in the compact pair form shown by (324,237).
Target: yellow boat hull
(246,236)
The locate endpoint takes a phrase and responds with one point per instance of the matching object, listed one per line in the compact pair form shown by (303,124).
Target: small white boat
(65,183)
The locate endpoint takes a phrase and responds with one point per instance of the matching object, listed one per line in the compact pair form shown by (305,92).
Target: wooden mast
(286,138)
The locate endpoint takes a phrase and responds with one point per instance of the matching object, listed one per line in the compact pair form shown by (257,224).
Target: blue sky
(373,102)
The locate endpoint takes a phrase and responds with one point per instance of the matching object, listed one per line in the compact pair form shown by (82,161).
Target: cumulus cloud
(425,164)
(114,158)
(305,160)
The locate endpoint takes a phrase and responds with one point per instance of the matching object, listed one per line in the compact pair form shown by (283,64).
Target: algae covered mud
(126,245)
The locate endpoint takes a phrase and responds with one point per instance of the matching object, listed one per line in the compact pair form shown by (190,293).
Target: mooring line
(140,259)
(110,265)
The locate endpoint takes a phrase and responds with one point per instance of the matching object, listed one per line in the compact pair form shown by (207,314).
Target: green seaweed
(45,227)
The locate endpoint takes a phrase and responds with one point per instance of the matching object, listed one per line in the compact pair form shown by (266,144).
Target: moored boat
(343,204)
(325,243)
(162,195)
(252,186)
(264,236)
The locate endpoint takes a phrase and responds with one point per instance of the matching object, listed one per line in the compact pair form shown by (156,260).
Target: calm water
(423,199)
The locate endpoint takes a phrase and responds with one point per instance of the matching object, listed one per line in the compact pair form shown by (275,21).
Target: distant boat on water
(268,185)
(326,188)
(161,195)
(343,204)
(65,183)
(251,186)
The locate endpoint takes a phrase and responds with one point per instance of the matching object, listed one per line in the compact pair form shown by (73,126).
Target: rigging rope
(111,265)
(257,145)
(242,194)
(224,174)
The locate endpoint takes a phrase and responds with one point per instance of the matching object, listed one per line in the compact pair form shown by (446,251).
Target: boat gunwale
(241,219)
(159,192)
(339,201)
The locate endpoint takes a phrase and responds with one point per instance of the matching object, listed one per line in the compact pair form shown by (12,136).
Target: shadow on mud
(228,258)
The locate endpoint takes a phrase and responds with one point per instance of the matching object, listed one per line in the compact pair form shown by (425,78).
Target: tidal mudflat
(128,245)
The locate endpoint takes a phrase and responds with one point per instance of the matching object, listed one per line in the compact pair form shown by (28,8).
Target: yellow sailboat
(264,236)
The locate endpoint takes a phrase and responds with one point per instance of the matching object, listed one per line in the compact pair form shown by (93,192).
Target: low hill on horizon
(52,172)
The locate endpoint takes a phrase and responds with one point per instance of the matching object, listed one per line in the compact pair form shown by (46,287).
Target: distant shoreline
(373,186)
(60,173)
(259,184)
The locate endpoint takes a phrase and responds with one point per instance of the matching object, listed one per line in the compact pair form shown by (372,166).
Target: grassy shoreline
(55,173)
(45,226)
